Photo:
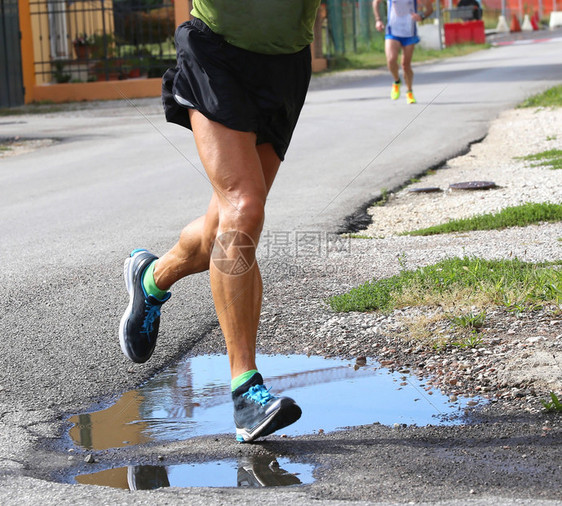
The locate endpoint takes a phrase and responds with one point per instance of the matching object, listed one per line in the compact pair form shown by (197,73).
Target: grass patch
(464,282)
(421,54)
(516,216)
(43,107)
(374,56)
(551,158)
(554,405)
(549,98)
(469,320)
(472,341)
(385,196)
(356,236)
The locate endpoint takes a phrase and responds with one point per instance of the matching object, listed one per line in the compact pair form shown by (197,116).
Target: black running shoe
(257,413)
(139,325)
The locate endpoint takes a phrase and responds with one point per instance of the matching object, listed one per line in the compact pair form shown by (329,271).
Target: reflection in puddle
(193,399)
(257,471)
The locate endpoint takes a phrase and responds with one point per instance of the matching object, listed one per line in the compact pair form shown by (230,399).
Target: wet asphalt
(119,177)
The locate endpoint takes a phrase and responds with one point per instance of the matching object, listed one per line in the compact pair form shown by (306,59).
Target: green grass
(551,159)
(516,216)
(469,320)
(44,107)
(455,282)
(357,236)
(554,405)
(471,341)
(549,98)
(374,57)
(421,54)
(383,198)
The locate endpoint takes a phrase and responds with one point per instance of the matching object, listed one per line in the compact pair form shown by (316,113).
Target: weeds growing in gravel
(549,98)
(384,197)
(515,216)
(353,235)
(551,159)
(454,295)
(472,341)
(462,281)
(554,405)
(469,320)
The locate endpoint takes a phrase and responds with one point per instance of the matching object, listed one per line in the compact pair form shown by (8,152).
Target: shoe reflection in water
(263,472)
(147,477)
(252,472)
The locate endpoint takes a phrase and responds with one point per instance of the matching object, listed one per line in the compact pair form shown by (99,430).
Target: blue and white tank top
(400,22)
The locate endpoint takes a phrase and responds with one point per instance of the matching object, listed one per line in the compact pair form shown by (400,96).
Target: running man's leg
(234,167)
(392,51)
(407,53)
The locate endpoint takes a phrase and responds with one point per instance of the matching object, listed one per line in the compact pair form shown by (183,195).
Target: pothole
(17,146)
(193,399)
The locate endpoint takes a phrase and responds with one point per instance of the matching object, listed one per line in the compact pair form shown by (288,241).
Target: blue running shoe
(139,325)
(257,413)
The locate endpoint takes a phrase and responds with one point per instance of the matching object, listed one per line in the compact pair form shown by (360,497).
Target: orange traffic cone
(535,21)
(515,26)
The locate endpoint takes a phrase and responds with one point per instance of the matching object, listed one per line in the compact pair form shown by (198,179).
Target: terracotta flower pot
(82,51)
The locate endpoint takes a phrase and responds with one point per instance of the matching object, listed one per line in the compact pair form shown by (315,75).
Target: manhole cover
(473,185)
(429,189)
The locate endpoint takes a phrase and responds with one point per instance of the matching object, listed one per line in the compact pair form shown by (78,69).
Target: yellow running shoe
(395,91)
(410,97)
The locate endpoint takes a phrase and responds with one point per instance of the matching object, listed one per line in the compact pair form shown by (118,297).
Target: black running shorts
(243,90)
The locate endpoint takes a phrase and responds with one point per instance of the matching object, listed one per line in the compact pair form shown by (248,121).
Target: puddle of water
(256,472)
(193,399)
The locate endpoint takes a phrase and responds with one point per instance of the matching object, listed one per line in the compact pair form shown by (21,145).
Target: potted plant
(59,73)
(82,45)
(109,70)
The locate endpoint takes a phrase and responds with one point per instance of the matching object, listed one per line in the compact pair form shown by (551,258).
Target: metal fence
(78,41)
(350,26)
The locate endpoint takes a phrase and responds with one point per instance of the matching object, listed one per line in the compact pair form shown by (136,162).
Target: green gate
(11,80)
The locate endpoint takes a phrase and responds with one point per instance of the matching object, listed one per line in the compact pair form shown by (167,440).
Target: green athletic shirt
(261,26)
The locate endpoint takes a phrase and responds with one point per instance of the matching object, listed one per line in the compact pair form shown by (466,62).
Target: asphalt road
(119,177)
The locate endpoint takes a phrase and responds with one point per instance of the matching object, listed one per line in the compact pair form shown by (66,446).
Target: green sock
(240,380)
(150,285)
